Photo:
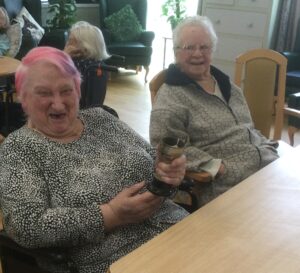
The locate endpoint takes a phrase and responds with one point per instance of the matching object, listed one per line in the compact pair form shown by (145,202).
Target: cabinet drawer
(227,68)
(229,48)
(221,2)
(238,22)
(254,3)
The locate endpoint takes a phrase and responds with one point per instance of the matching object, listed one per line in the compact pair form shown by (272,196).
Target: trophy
(169,148)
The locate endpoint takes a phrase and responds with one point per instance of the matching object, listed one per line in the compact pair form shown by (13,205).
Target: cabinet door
(254,3)
(238,22)
(228,48)
(221,2)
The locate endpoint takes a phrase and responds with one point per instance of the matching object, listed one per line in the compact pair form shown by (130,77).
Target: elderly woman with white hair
(87,48)
(198,102)
(86,41)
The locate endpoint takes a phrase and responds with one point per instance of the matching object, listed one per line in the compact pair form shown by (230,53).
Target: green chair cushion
(124,25)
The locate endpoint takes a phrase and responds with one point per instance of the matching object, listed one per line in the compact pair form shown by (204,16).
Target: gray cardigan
(216,129)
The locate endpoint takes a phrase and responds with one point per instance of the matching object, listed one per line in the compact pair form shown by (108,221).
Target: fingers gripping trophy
(168,149)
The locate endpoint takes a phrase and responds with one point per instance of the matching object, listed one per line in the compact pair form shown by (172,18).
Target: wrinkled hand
(172,173)
(130,206)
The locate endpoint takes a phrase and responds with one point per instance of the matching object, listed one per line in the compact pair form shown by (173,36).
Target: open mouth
(58,116)
(197,63)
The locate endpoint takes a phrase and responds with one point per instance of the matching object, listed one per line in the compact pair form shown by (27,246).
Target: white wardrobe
(240,25)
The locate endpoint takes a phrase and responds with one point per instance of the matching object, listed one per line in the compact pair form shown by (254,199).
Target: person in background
(86,45)
(76,180)
(87,48)
(198,102)
(4,25)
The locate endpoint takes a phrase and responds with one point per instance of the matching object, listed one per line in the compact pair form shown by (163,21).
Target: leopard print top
(50,192)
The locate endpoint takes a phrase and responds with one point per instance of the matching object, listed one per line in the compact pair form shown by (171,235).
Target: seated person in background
(4,25)
(86,45)
(198,102)
(76,179)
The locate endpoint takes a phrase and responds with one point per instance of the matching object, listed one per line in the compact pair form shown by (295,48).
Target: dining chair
(261,73)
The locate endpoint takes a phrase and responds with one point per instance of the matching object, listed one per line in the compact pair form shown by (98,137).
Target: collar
(176,77)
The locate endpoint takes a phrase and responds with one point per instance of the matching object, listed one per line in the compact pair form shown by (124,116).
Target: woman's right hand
(130,206)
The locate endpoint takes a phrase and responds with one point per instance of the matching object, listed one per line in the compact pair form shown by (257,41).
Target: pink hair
(52,56)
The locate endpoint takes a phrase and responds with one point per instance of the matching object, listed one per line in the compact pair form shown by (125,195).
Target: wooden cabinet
(240,25)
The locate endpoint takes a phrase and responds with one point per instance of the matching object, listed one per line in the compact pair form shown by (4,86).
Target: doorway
(162,44)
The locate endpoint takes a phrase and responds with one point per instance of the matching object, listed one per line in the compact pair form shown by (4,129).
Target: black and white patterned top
(50,192)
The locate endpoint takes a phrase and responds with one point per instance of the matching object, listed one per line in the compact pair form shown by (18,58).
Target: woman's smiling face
(194,53)
(50,100)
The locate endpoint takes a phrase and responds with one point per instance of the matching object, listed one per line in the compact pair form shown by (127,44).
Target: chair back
(93,86)
(155,83)
(261,74)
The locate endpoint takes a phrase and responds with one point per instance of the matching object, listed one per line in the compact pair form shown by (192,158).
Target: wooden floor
(130,97)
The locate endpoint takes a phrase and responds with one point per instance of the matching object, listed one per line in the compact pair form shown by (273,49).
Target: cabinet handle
(250,25)
(218,22)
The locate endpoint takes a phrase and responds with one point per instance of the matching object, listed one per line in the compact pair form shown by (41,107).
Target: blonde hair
(90,40)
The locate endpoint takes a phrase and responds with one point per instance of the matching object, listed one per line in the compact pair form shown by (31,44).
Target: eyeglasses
(191,49)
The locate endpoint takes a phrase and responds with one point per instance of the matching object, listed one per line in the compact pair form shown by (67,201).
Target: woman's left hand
(172,173)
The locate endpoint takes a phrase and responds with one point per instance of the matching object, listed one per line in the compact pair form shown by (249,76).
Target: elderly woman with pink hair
(75,179)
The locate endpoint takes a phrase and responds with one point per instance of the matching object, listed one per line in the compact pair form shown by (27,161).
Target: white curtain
(285,26)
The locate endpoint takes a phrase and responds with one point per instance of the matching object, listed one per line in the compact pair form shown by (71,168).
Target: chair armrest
(292,112)
(202,177)
(56,38)
(147,38)
(293,60)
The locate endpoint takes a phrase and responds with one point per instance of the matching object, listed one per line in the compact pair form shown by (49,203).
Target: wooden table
(252,228)
(8,66)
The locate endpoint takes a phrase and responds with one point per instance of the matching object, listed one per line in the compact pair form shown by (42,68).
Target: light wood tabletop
(8,65)
(254,227)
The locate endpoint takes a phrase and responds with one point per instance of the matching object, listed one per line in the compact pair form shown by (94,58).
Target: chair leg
(147,72)
(291,132)
(138,69)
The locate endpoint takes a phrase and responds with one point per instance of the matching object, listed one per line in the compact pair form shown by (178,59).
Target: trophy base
(160,188)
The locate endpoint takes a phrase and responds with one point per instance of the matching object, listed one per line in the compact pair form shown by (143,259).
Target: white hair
(90,40)
(197,20)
